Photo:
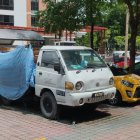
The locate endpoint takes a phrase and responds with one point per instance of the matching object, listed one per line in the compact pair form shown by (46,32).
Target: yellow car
(127,86)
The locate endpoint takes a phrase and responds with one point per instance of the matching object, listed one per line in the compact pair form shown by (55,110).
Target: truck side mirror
(57,67)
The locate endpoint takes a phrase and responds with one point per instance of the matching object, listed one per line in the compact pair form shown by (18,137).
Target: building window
(7,4)
(7,20)
(34,5)
(34,21)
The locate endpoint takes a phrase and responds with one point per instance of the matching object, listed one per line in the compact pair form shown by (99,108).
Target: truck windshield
(82,59)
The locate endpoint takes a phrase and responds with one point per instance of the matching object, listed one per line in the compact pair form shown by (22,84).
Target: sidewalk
(107,123)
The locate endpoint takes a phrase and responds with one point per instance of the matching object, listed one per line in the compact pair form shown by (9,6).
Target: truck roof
(52,47)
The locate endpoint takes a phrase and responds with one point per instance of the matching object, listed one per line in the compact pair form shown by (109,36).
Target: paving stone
(123,123)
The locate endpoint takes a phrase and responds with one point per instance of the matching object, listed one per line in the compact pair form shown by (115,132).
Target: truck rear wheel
(5,101)
(48,105)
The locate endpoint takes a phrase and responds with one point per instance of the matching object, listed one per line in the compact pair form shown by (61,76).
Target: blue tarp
(16,72)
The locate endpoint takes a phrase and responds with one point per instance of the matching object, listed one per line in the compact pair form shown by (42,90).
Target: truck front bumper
(79,99)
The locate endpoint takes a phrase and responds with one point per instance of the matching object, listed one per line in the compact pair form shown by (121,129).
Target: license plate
(100,94)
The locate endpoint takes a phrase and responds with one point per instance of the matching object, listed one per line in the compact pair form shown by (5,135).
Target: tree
(70,15)
(84,40)
(60,16)
(138,42)
(93,11)
(120,40)
(134,11)
(114,20)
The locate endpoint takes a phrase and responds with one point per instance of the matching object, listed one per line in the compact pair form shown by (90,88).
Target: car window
(49,58)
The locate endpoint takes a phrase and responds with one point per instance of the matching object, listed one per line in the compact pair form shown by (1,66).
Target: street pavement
(25,122)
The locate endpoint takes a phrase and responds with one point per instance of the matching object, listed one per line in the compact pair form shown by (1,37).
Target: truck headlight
(127,84)
(69,85)
(111,81)
(79,85)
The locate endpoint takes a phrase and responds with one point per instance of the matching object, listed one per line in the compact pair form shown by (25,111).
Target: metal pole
(126,38)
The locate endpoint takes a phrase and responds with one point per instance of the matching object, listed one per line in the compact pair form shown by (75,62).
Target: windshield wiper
(90,67)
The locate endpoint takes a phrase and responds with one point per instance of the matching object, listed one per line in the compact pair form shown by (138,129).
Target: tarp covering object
(16,72)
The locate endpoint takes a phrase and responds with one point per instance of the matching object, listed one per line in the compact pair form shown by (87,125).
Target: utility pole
(126,37)
(91,24)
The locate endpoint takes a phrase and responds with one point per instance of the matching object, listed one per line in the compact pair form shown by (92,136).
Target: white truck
(71,76)
(65,75)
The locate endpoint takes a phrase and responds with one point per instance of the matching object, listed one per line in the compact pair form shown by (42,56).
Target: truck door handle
(40,73)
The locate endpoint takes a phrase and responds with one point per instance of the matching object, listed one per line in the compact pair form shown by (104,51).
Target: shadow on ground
(79,115)
(123,104)
(68,115)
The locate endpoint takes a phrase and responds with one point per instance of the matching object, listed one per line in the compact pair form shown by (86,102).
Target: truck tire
(48,105)
(117,100)
(5,101)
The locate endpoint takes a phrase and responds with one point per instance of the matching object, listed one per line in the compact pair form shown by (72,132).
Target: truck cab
(71,76)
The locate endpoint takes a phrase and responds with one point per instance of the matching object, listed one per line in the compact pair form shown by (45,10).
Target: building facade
(19,12)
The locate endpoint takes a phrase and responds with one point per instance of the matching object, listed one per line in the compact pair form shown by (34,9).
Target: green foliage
(120,40)
(60,16)
(71,15)
(134,11)
(138,42)
(83,41)
(115,20)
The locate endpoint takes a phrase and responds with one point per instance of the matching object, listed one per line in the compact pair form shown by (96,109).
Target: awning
(7,36)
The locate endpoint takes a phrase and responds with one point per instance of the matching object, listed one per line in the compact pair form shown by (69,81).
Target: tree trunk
(66,35)
(60,33)
(91,24)
(55,36)
(70,35)
(134,23)
(132,48)
(91,35)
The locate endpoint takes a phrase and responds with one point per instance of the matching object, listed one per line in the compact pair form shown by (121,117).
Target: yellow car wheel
(116,100)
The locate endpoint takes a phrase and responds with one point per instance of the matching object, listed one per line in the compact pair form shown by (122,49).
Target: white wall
(19,13)
(20,18)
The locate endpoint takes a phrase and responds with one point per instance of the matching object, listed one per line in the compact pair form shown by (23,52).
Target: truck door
(47,77)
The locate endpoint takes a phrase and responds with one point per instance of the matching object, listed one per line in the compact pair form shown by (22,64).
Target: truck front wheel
(48,105)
